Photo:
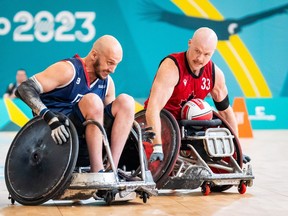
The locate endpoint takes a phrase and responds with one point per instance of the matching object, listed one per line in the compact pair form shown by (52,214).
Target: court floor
(268,195)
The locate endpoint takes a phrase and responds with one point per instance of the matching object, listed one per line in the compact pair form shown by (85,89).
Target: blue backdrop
(251,52)
(34,35)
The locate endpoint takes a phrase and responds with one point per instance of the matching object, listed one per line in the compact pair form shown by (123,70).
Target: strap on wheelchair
(208,123)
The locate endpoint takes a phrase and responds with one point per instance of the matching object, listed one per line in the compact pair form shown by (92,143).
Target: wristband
(157,148)
(48,115)
(43,111)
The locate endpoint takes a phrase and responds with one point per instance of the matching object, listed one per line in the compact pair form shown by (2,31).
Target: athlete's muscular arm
(219,93)
(54,76)
(166,79)
(110,96)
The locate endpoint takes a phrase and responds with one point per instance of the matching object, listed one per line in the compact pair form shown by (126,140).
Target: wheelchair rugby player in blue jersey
(76,111)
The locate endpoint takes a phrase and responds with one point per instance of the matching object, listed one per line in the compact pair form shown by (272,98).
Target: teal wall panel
(34,35)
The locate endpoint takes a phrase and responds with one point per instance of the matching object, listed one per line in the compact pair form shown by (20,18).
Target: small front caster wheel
(108,197)
(144,196)
(242,187)
(205,189)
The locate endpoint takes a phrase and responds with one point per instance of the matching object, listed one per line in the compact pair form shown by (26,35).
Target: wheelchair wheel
(36,168)
(237,155)
(171,145)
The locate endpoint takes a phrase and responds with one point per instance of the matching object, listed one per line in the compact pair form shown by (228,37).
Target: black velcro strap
(55,125)
(48,116)
(222,105)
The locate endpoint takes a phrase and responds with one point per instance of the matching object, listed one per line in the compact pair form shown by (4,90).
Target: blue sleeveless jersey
(62,99)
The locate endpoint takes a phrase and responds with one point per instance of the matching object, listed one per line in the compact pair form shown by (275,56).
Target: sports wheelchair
(198,153)
(37,169)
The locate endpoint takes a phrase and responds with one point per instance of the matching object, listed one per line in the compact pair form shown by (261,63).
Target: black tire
(36,168)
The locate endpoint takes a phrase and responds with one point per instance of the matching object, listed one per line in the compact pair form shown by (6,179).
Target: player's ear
(94,54)
(189,42)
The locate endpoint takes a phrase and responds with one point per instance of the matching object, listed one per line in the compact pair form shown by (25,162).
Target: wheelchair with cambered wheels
(38,170)
(198,153)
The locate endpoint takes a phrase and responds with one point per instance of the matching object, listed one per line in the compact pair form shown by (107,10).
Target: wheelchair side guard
(218,142)
(225,158)
(106,145)
(238,151)
(84,185)
(36,168)
(171,145)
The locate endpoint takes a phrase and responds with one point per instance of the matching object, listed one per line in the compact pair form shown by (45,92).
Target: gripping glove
(59,132)
(157,153)
(246,158)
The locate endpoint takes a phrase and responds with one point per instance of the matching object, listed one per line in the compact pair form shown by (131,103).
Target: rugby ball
(196,109)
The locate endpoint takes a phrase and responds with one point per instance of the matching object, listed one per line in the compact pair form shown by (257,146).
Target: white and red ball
(196,109)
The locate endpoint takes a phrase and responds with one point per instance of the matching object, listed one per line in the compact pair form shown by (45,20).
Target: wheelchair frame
(83,184)
(37,152)
(218,171)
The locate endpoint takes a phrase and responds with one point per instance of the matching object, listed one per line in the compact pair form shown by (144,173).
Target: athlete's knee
(91,105)
(126,102)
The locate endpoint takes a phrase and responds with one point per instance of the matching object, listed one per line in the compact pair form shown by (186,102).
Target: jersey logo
(190,97)
(101,86)
(78,80)
(185,82)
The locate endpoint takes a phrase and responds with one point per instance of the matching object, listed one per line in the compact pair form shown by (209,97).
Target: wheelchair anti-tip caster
(205,189)
(12,200)
(144,196)
(242,187)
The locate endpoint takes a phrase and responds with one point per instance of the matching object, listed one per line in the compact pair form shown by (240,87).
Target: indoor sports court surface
(268,195)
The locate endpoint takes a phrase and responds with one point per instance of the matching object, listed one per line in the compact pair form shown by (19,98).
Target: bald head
(205,37)
(109,45)
(201,48)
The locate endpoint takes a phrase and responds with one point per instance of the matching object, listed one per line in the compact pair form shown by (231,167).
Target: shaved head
(103,58)
(205,37)
(201,48)
(109,45)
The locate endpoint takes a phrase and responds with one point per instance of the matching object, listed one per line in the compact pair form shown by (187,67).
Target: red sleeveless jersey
(189,85)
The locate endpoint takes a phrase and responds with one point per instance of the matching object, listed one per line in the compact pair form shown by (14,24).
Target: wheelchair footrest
(83,185)
(192,178)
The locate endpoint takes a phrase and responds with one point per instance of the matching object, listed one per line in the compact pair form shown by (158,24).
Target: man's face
(198,55)
(105,65)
